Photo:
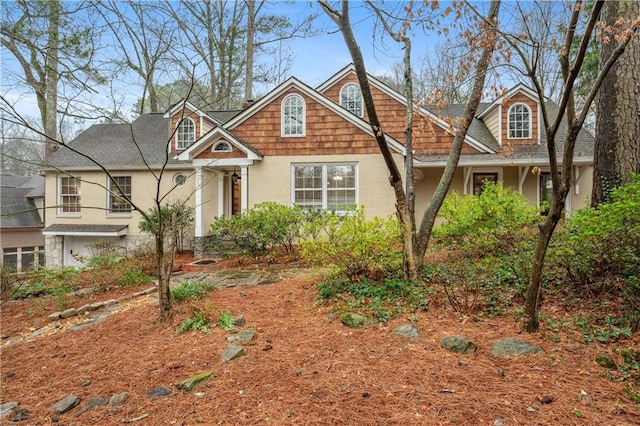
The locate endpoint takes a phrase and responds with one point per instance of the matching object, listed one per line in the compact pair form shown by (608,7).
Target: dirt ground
(303,367)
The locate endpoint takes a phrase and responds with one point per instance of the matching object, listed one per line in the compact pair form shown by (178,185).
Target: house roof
(87,230)
(146,140)
(118,146)
(17,208)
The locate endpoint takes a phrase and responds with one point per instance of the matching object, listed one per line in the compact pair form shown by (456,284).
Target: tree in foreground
(561,147)
(617,149)
(415,240)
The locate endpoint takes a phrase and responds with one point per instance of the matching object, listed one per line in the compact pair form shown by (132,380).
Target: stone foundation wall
(200,249)
(53,251)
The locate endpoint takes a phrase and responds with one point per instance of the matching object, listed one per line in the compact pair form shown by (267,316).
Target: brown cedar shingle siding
(326,133)
(175,121)
(235,153)
(428,138)
(519,98)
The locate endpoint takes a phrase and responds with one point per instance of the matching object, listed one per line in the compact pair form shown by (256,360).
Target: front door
(235,194)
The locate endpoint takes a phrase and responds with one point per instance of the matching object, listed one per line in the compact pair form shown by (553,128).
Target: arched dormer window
(519,122)
(221,146)
(186,133)
(293,116)
(351,99)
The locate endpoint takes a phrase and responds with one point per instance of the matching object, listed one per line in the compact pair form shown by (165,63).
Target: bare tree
(567,112)
(22,151)
(266,33)
(163,230)
(51,47)
(617,149)
(143,35)
(415,242)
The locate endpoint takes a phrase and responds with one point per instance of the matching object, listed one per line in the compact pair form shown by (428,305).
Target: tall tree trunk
(251,33)
(617,149)
(50,114)
(164,265)
(415,246)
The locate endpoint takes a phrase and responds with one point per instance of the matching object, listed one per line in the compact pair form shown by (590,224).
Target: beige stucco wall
(26,237)
(270,180)
(93,197)
(530,188)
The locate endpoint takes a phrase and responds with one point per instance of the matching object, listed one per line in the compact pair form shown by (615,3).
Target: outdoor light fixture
(235,177)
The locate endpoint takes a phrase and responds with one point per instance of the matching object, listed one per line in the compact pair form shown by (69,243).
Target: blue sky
(315,58)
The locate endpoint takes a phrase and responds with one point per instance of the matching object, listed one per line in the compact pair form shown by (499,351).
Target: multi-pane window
(69,195)
(221,146)
(519,122)
(119,192)
(21,259)
(325,186)
(481,179)
(351,99)
(293,116)
(186,133)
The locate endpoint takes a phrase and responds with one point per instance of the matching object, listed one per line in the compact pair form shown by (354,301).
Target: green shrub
(381,300)
(197,321)
(489,224)
(225,321)
(267,225)
(189,290)
(598,249)
(133,278)
(352,246)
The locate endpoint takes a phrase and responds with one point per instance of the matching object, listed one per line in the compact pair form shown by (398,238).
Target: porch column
(244,198)
(220,194)
(466,171)
(522,175)
(198,213)
(577,175)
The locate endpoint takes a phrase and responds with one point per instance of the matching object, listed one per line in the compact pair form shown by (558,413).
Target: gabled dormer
(187,123)
(514,118)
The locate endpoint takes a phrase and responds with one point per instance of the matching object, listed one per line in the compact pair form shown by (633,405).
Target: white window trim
(183,122)
(325,188)
(361,115)
(221,142)
(110,197)
(473,170)
(530,136)
(60,209)
(304,117)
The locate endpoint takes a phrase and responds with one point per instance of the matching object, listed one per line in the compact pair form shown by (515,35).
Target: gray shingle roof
(478,130)
(119,145)
(17,209)
(61,228)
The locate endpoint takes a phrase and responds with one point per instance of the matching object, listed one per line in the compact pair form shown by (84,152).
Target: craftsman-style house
(297,145)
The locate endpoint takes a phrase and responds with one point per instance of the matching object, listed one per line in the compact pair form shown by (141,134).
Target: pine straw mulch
(304,368)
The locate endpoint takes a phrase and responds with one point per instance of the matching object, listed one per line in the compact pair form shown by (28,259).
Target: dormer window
(519,119)
(351,99)
(221,146)
(293,116)
(186,133)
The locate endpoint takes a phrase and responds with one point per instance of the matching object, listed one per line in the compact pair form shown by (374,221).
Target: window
(293,116)
(186,133)
(119,191)
(351,99)
(519,122)
(546,192)
(10,258)
(69,195)
(480,179)
(179,179)
(221,146)
(325,186)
